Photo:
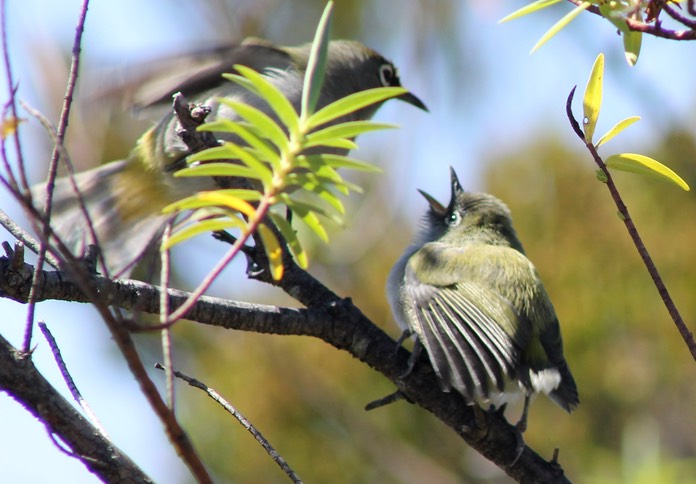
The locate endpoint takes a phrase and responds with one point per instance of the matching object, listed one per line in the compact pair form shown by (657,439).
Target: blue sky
(512,97)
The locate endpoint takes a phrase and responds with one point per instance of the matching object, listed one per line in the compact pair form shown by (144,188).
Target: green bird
(469,294)
(125,198)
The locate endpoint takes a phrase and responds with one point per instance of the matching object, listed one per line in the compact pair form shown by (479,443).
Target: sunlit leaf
(266,90)
(592,102)
(349,104)
(261,121)
(232,151)
(265,150)
(211,198)
(618,127)
(644,165)
(9,126)
(314,77)
(273,251)
(205,226)
(346,130)
(632,41)
(291,239)
(311,183)
(527,9)
(217,169)
(560,25)
(339,161)
(341,143)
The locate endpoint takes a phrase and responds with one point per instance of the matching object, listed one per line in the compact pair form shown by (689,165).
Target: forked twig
(684,331)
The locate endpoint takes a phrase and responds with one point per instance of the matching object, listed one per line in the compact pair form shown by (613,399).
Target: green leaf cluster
(615,11)
(630,162)
(275,162)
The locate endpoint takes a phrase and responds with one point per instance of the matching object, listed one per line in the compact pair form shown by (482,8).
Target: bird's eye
(386,75)
(453,219)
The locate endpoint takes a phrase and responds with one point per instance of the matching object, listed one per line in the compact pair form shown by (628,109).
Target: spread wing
(472,332)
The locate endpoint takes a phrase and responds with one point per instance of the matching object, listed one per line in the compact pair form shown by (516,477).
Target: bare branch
(277,458)
(20,379)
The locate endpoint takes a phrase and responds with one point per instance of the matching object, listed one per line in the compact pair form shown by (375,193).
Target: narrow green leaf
(291,239)
(206,226)
(632,41)
(352,103)
(341,143)
(211,198)
(233,151)
(644,165)
(261,121)
(592,102)
(273,251)
(527,9)
(316,66)
(339,161)
(311,183)
(347,130)
(270,93)
(560,25)
(618,127)
(217,169)
(310,219)
(265,150)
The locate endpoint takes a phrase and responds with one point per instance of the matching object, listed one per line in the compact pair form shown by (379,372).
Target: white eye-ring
(454,219)
(386,74)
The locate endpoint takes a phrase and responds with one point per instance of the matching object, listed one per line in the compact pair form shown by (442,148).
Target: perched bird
(125,197)
(467,291)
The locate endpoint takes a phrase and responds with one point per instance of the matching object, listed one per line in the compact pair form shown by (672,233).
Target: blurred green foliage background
(636,422)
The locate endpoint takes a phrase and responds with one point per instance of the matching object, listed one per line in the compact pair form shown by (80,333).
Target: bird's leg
(404,336)
(415,354)
(520,427)
(522,424)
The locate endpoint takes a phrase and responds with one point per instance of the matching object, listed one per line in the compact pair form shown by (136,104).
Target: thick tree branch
(20,379)
(336,321)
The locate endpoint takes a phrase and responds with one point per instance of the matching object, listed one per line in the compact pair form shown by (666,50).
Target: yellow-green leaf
(644,165)
(271,94)
(201,227)
(527,9)
(560,25)
(261,121)
(592,102)
(273,251)
(618,127)
(352,103)
(347,130)
(291,239)
(217,169)
(632,41)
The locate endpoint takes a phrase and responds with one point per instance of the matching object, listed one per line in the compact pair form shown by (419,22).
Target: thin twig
(11,105)
(69,380)
(60,136)
(20,234)
(164,313)
(654,29)
(277,458)
(686,335)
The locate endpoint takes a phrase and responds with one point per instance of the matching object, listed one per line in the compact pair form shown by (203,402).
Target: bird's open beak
(413,100)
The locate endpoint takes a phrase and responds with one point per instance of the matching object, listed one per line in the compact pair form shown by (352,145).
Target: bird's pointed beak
(435,206)
(413,100)
(456,186)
